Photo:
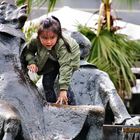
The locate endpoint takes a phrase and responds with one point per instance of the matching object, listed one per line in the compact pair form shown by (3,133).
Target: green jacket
(69,62)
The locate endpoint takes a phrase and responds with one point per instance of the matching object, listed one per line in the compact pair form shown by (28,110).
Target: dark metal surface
(32,120)
(121,132)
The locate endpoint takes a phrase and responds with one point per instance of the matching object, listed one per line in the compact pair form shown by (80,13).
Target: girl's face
(48,39)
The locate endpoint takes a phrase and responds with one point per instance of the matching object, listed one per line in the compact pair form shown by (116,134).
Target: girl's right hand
(62,99)
(33,68)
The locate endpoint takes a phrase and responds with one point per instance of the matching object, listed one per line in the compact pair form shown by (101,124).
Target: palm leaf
(115,54)
(38,3)
(86,31)
(20,2)
(51,5)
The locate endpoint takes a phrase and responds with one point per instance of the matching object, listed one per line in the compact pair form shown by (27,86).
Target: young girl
(53,53)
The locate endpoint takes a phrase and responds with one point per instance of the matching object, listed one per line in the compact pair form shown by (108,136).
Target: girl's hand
(62,99)
(33,68)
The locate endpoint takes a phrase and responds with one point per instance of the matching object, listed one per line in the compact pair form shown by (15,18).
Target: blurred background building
(122,10)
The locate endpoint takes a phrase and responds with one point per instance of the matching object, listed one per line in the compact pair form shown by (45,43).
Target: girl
(52,53)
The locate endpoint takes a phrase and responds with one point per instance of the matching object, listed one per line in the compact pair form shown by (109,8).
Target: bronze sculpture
(22,112)
(23,115)
(92,86)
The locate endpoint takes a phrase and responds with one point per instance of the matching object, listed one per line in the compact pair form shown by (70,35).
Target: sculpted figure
(15,89)
(91,86)
(23,115)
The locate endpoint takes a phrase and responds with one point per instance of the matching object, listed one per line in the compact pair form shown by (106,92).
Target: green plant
(112,52)
(38,3)
(30,31)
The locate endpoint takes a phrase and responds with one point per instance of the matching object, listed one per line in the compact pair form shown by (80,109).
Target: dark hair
(53,24)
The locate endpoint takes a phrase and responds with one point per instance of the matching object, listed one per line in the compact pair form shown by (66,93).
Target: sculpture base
(121,132)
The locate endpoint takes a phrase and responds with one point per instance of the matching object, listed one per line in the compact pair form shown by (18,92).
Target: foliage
(32,29)
(112,52)
(115,54)
(37,3)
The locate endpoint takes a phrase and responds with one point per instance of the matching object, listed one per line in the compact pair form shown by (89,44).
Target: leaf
(51,5)
(20,2)
(115,54)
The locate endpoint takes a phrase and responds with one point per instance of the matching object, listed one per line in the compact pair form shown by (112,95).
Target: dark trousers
(48,81)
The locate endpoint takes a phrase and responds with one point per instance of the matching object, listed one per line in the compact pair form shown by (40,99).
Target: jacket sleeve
(65,70)
(30,52)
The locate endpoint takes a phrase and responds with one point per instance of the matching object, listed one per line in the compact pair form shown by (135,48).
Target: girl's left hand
(62,99)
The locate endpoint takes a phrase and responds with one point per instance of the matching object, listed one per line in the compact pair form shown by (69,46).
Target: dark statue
(89,79)
(25,115)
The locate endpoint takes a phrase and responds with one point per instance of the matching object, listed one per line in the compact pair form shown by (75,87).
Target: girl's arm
(65,70)
(65,73)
